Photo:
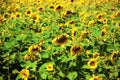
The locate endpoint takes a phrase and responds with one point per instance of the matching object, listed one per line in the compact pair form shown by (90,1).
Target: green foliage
(32,41)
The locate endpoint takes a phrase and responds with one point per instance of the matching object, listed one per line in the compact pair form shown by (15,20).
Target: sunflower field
(59,39)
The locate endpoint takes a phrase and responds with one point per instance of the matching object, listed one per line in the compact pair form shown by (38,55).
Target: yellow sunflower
(100,17)
(76,50)
(91,23)
(24,74)
(117,14)
(34,48)
(92,64)
(61,39)
(26,57)
(95,78)
(35,17)
(18,15)
(114,55)
(49,67)
(6,15)
(28,12)
(58,8)
(96,55)
(104,31)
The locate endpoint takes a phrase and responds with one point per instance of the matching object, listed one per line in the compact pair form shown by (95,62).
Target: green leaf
(85,66)
(72,64)
(18,77)
(45,54)
(42,68)
(44,75)
(63,58)
(101,75)
(61,74)
(96,32)
(72,75)
(29,64)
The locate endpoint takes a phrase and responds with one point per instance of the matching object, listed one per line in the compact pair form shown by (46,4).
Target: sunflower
(35,17)
(40,8)
(80,38)
(17,15)
(114,56)
(73,32)
(100,17)
(67,13)
(84,33)
(58,8)
(91,23)
(96,55)
(117,14)
(76,50)
(34,48)
(71,1)
(26,57)
(92,64)
(95,78)
(28,12)
(104,20)
(24,74)
(12,16)
(61,39)
(6,15)
(1,19)
(69,23)
(104,31)
(49,67)
(30,57)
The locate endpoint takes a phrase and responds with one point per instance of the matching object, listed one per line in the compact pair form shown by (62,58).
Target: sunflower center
(49,67)
(28,12)
(18,15)
(96,55)
(69,12)
(76,48)
(35,49)
(92,63)
(61,39)
(59,8)
(96,79)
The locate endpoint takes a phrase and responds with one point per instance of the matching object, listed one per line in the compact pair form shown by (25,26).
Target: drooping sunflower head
(61,39)
(34,48)
(92,64)
(76,50)
(24,74)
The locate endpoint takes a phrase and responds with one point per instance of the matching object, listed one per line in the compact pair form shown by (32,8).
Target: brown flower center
(76,48)
(61,39)
(59,8)
(18,15)
(28,12)
(92,63)
(69,12)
